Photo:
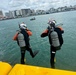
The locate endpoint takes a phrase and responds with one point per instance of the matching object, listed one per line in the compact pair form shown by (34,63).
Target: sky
(6,5)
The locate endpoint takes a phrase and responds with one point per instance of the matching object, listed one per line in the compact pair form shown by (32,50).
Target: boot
(35,53)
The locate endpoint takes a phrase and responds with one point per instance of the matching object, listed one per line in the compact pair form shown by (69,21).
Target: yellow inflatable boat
(19,69)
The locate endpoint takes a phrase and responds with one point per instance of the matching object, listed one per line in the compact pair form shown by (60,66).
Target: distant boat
(33,18)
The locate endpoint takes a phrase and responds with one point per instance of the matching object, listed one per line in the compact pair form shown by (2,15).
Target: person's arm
(15,37)
(61,29)
(45,33)
(29,32)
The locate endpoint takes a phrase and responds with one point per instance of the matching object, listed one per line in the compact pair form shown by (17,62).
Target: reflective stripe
(53,52)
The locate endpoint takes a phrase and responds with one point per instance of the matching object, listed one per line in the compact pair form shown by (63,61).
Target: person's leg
(53,52)
(31,52)
(23,49)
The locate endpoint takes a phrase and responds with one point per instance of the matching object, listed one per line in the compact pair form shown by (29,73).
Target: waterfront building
(1,15)
(25,12)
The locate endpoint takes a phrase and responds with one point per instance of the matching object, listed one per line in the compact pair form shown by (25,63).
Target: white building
(10,14)
(39,12)
(25,12)
(18,13)
(1,15)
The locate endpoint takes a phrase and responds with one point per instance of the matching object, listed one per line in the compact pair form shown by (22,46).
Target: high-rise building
(18,13)
(7,15)
(10,14)
(1,14)
(25,12)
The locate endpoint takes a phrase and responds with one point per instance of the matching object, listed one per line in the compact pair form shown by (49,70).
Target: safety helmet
(22,26)
(52,23)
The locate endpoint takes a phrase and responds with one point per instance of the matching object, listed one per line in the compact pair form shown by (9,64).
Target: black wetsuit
(52,49)
(27,47)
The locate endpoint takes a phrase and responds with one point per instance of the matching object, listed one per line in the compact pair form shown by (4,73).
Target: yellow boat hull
(19,69)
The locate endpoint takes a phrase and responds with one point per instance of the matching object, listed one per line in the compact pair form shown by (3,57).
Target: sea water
(65,58)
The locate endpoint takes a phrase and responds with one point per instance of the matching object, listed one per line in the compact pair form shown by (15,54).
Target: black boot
(53,66)
(35,53)
(22,62)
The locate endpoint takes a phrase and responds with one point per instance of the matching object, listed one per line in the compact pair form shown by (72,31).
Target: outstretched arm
(29,32)
(15,37)
(45,33)
(61,29)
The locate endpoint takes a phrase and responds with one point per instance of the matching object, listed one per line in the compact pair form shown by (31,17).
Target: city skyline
(7,5)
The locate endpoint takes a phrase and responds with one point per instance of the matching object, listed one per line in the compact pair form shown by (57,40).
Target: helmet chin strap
(51,28)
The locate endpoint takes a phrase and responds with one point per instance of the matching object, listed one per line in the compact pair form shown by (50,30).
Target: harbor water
(65,58)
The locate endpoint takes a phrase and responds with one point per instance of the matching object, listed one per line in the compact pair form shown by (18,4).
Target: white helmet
(51,21)
(23,26)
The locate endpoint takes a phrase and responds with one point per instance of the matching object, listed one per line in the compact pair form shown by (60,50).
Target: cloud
(34,4)
(15,3)
(3,5)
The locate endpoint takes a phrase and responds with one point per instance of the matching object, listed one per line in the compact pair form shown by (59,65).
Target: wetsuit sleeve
(29,32)
(45,33)
(15,37)
(61,29)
